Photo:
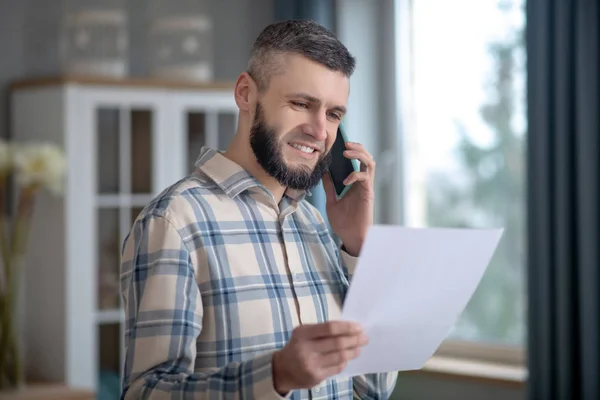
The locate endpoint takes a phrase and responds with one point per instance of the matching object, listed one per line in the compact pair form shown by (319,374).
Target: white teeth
(303,148)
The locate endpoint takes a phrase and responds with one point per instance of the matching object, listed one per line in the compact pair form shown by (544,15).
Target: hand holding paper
(409,288)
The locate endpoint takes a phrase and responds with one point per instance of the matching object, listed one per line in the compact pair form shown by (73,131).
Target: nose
(318,126)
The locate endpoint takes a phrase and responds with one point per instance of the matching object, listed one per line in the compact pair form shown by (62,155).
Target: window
(464,148)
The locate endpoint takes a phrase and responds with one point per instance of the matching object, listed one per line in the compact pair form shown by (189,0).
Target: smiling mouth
(302,148)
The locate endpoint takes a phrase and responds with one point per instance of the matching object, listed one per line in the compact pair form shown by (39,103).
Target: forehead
(300,74)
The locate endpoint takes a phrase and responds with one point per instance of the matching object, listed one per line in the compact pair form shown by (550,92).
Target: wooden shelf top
(47,392)
(125,82)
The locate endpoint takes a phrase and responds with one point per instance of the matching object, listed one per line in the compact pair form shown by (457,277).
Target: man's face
(296,122)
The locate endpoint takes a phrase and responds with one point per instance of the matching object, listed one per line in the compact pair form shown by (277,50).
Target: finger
(339,343)
(328,188)
(329,329)
(339,357)
(358,177)
(358,147)
(368,157)
(366,160)
(361,156)
(333,370)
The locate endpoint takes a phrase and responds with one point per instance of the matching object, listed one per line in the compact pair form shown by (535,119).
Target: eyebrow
(313,99)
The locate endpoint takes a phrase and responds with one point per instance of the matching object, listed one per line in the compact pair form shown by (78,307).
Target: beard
(269,154)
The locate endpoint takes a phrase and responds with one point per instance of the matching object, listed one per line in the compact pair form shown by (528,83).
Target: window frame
(511,355)
(402,76)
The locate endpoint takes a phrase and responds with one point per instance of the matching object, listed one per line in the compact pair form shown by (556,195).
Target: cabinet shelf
(126,142)
(124,83)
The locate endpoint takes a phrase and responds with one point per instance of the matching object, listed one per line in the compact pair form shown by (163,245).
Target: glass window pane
(109,353)
(109,256)
(141,151)
(108,150)
(135,212)
(196,137)
(227,125)
(467,146)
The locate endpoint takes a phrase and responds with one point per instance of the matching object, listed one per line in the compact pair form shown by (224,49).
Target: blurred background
(442,96)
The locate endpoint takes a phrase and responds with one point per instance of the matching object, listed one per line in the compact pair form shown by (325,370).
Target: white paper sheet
(409,288)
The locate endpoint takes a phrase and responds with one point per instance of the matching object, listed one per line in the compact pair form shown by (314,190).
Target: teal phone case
(354,162)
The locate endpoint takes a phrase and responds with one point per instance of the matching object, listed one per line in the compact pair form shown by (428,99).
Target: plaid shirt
(215,275)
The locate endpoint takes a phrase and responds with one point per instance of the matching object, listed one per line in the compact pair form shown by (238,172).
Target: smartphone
(341,166)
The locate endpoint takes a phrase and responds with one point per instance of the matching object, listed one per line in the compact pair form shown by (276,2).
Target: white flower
(5,158)
(40,165)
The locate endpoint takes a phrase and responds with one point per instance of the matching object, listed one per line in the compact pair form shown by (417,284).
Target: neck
(240,152)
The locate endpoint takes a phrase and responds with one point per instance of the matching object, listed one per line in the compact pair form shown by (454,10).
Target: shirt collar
(231,177)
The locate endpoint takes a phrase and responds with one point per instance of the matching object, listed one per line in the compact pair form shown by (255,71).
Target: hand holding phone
(352,214)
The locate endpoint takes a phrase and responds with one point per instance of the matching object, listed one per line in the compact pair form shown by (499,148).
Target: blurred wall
(28,29)
(11,50)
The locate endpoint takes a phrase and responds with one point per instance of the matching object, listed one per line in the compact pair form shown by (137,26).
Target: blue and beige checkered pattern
(215,275)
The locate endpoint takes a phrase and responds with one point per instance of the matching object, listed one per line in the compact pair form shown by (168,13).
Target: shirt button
(297,275)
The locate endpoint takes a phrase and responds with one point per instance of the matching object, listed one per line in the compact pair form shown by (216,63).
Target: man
(232,284)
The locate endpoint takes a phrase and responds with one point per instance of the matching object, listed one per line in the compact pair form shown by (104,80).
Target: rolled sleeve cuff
(261,370)
(349,261)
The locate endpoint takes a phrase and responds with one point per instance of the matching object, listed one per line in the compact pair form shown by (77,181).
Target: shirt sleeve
(374,386)
(348,263)
(163,318)
(368,386)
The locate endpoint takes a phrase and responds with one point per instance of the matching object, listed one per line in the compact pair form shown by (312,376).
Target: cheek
(291,123)
(330,139)
(291,119)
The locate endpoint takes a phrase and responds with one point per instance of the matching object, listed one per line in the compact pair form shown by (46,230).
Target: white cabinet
(125,141)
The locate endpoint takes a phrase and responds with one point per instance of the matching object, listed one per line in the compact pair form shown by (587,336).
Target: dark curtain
(322,12)
(563,43)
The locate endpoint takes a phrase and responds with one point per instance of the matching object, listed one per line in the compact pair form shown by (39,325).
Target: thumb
(328,188)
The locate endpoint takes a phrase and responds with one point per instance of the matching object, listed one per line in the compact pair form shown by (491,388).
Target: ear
(245,92)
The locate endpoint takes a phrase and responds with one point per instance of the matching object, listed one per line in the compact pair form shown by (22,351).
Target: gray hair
(303,37)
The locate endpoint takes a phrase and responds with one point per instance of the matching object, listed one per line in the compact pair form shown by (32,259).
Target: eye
(299,104)
(335,116)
